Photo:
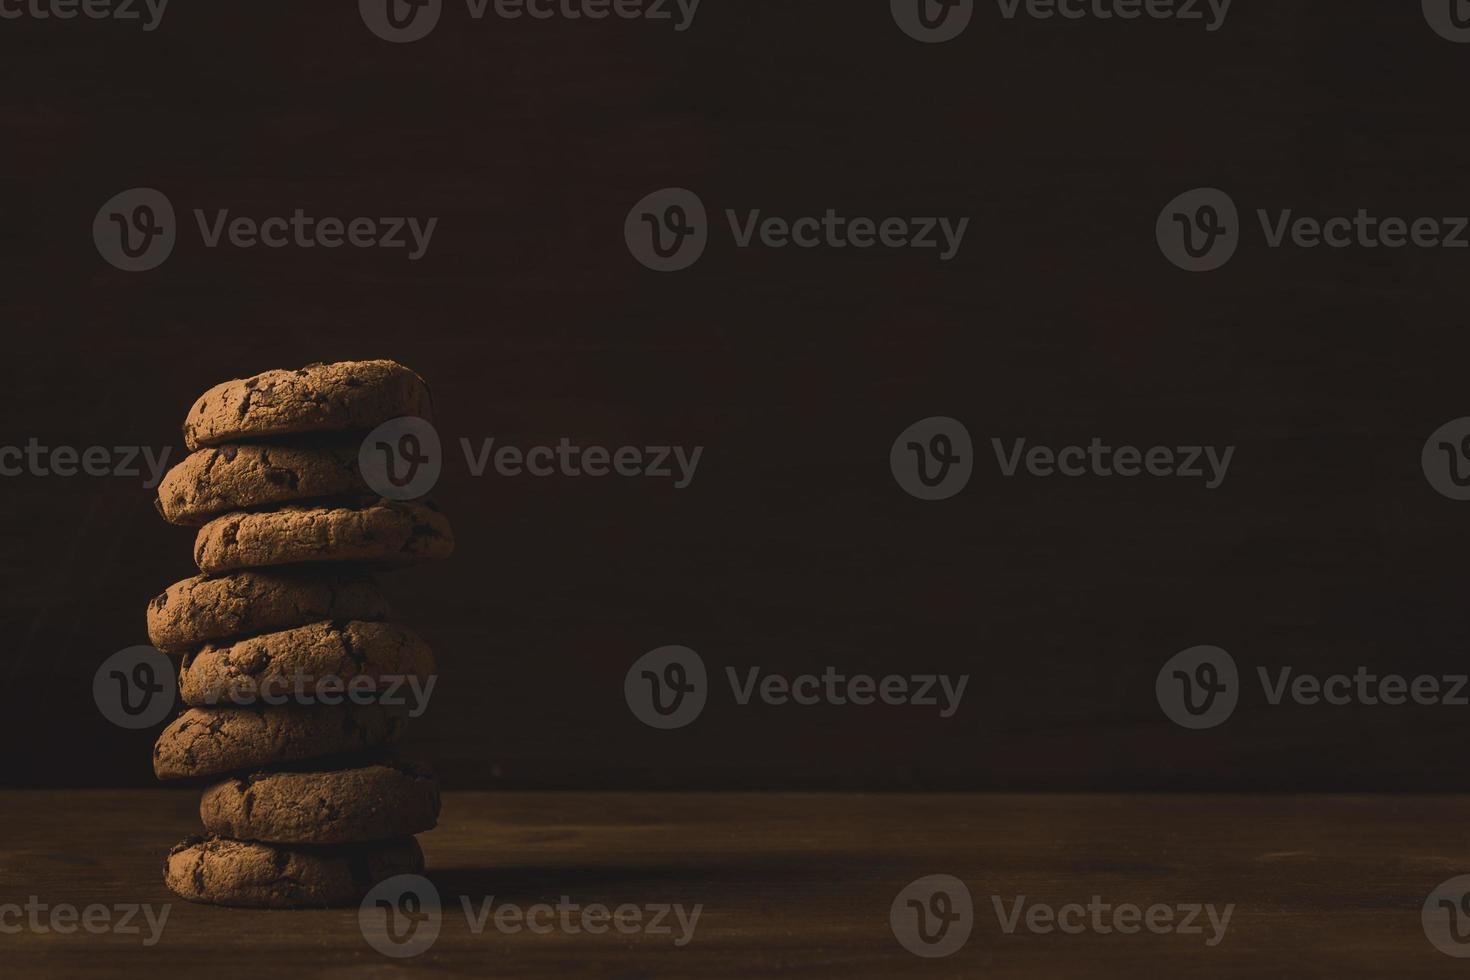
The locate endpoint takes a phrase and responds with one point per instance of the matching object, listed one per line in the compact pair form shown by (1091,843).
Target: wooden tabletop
(788,885)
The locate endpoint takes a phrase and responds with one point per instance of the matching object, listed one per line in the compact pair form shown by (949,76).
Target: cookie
(200,609)
(208,741)
(345,806)
(305,657)
(386,532)
(266,876)
(244,477)
(343,397)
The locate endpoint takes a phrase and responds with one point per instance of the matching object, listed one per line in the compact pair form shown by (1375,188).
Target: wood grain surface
(791,884)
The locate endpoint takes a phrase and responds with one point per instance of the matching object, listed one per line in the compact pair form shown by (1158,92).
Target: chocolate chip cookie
(208,741)
(346,396)
(267,876)
(200,609)
(245,477)
(374,802)
(353,655)
(385,532)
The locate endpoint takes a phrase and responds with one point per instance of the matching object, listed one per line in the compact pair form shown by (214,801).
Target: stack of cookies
(286,656)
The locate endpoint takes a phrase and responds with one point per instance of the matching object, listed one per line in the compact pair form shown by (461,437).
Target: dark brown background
(793,548)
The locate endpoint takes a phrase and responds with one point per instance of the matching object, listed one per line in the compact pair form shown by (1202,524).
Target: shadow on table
(594,882)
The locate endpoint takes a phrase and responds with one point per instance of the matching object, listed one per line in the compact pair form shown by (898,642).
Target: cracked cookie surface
(344,396)
(386,532)
(366,803)
(249,874)
(202,609)
(210,741)
(273,663)
(248,476)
